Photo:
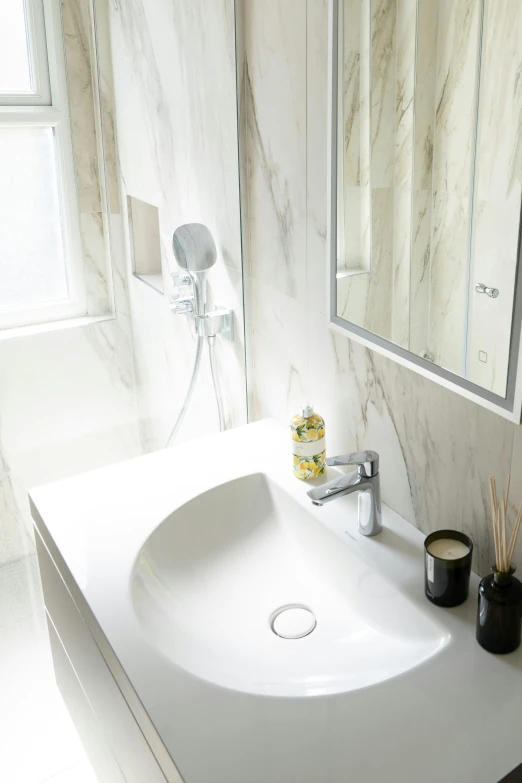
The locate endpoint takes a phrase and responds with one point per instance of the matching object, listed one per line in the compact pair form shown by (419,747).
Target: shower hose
(190,391)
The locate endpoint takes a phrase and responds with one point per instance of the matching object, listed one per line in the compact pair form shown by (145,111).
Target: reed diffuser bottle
(500,593)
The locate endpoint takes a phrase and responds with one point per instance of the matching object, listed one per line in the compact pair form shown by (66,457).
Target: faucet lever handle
(368,461)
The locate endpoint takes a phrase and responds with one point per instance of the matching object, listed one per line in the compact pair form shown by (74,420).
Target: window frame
(49,108)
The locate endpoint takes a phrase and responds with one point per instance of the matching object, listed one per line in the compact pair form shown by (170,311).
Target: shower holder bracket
(218,321)
(182,306)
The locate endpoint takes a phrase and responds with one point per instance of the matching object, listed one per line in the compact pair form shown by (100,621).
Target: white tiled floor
(38,741)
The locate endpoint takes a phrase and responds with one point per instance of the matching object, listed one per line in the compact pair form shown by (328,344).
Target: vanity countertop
(454,717)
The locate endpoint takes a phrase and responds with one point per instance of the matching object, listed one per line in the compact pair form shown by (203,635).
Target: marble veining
(178,150)
(437,449)
(272,90)
(419,80)
(67,395)
(498,188)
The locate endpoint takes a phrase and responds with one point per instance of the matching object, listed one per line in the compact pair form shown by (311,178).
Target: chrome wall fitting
(182,297)
(480,288)
(218,321)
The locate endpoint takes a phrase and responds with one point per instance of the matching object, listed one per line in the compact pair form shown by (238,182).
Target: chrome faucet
(364,480)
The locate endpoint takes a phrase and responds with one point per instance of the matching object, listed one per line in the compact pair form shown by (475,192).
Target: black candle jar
(499,621)
(446,581)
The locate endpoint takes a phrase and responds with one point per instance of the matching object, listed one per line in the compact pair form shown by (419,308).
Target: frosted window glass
(32,256)
(15,69)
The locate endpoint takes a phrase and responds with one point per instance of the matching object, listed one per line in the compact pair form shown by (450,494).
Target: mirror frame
(510,407)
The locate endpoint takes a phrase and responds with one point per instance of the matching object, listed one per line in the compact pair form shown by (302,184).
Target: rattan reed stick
(493,496)
(514,536)
(499,514)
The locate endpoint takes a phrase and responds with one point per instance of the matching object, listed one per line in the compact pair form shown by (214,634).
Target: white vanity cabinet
(121,742)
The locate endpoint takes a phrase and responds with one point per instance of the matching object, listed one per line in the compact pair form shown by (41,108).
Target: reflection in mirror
(429,172)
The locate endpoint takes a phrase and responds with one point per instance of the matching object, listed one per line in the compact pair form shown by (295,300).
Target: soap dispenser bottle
(308,444)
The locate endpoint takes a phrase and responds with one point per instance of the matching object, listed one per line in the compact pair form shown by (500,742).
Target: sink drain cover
(292,621)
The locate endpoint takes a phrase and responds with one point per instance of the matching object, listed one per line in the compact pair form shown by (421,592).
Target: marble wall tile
(354,199)
(383,86)
(424,104)
(379,303)
(77,29)
(355,101)
(516,488)
(420,249)
(316,155)
(406,29)
(276,111)
(494,256)
(377,77)
(91,112)
(178,148)
(437,448)
(96,252)
(449,279)
(456,82)
(455,94)
(105,91)
(68,406)
(364,296)
(281,342)
(400,268)
(67,396)
(498,188)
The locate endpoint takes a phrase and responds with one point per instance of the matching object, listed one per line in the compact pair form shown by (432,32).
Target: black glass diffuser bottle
(499,620)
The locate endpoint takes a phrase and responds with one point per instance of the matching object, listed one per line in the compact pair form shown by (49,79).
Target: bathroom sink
(243,588)
(263,638)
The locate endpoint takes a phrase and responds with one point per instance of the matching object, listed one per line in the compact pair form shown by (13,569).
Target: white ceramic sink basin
(181,569)
(210,578)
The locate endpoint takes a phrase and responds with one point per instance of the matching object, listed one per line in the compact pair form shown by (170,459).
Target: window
(41,264)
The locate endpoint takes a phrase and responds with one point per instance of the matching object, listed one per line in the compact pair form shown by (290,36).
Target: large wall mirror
(426,185)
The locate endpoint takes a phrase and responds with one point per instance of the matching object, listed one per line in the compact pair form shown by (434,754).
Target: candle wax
(448,548)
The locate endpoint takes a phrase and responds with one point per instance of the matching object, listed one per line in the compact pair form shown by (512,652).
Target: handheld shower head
(194,248)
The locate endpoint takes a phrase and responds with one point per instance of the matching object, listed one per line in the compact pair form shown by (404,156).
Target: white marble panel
(383,92)
(97,267)
(455,94)
(316,165)
(515,492)
(67,396)
(445,119)
(498,187)
(275,41)
(422,203)
(282,353)
(401,273)
(449,280)
(175,92)
(77,30)
(406,31)
(437,449)
(424,109)
(354,102)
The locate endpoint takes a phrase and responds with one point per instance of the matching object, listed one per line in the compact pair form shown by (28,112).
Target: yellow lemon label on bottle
(308,446)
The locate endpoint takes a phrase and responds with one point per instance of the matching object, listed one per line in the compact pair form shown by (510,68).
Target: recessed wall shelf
(145,243)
